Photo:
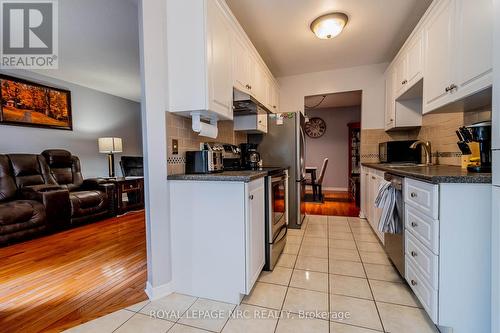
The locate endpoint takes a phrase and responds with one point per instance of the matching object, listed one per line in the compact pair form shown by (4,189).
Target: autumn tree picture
(32,104)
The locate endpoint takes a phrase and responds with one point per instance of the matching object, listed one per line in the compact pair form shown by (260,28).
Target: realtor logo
(29,34)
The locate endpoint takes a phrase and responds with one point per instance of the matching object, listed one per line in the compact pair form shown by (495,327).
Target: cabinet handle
(413,282)
(373,178)
(274,106)
(391,119)
(251,197)
(404,82)
(413,253)
(447,89)
(414,224)
(413,194)
(453,86)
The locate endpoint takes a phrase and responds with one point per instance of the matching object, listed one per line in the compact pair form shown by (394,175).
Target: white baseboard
(155,293)
(337,189)
(362,215)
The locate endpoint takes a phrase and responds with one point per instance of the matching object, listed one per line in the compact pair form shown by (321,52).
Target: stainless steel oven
(276,216)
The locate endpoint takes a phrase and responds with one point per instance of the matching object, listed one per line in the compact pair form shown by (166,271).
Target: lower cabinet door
(255,232)
(427,295)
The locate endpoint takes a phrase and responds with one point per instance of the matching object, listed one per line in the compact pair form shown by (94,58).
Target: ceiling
(99,46)
(337,100)
(279,29)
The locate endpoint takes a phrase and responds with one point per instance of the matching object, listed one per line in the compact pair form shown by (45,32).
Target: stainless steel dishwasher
(395,243)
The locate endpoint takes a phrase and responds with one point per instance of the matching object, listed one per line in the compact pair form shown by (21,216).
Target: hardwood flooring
(335,204)
(62,280)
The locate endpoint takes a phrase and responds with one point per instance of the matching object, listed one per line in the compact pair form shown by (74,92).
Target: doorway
(333,137)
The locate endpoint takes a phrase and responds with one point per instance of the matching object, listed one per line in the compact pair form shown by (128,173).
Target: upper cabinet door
(438,34)
(219,60)
(414,60)
(474,46)
(401,82)
(241,66)
(390,100)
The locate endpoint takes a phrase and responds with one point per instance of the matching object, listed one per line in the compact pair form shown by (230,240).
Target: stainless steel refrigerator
(284,145)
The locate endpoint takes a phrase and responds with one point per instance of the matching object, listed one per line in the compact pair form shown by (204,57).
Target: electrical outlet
(175,146)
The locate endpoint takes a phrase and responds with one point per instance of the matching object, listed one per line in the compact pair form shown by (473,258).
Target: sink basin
(406,165)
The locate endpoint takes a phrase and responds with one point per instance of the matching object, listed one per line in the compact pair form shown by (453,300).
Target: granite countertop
(435,174)
(229,176)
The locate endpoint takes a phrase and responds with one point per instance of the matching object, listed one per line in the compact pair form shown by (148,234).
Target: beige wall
(437,128)
(180,128)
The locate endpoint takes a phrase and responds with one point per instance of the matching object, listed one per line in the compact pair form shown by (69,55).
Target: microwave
(399,152)
(204,161)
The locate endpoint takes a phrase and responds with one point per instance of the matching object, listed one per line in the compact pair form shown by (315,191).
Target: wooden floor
(59,281)
(335,204)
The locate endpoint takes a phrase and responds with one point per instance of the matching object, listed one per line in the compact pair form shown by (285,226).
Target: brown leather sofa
(90,199)
(30,201)
(45,193)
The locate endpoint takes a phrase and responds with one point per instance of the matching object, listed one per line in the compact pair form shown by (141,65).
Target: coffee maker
(250,157)
(480,133)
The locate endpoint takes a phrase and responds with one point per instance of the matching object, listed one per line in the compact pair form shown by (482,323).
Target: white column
(152,16)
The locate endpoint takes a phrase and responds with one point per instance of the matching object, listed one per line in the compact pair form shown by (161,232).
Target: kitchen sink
(406,165)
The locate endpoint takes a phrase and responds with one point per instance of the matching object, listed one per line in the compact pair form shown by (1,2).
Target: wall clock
(315,127)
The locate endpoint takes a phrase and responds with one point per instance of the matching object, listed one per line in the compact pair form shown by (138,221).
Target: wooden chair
(317,183)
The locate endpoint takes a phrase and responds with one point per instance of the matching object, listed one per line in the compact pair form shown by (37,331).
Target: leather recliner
(89,199)
(132,166)
(30,201)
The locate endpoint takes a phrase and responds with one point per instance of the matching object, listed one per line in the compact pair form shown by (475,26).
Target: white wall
(369,79)
(95,114)
(334,145)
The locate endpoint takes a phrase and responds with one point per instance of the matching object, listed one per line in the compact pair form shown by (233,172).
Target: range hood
(248,105)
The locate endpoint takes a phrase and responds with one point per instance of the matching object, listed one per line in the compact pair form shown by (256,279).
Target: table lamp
(110,146)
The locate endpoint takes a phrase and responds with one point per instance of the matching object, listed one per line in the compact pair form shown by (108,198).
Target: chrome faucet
(427,148)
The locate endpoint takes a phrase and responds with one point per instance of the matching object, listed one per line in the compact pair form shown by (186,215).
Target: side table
(129,192)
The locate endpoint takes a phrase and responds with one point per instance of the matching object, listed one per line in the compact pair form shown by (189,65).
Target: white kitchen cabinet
(217,253)
(404,88)
(199,57)
(414,60)
(255,233)
(438,55)
(251,123)
(448,242)
(242,66)
(474,46)
(458,51)
(408,66)
(390,99)
(400,70)
(372,180)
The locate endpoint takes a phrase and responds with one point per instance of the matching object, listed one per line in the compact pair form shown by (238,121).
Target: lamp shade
(110,145)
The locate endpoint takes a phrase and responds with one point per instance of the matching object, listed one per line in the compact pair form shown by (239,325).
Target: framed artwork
(26,103)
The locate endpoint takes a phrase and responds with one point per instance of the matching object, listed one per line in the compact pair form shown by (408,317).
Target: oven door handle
(279,233)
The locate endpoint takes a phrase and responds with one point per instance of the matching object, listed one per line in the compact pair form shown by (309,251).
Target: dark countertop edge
(227,176)
(470,178)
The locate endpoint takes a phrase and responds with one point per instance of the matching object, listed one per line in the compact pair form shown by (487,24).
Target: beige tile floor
(333,269)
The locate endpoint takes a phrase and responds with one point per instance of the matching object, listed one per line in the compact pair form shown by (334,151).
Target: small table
(129,193)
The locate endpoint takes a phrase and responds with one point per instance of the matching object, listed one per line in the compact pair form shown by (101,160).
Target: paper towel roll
(208,130)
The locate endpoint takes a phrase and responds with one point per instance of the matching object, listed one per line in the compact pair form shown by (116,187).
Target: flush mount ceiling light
(329,25)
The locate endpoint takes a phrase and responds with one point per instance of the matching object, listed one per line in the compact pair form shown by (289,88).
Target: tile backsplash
(438,128)
(179,128)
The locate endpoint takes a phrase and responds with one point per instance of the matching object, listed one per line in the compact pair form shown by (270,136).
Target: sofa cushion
(64,167)
(87,202)
(7,183)
(30,169)
(20,214)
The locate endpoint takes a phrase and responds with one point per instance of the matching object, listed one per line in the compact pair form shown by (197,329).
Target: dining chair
(317,184)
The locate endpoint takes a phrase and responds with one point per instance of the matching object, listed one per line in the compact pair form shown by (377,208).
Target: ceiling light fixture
(329,25)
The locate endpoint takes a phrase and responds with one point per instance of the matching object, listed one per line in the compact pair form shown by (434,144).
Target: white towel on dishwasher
(390,221)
